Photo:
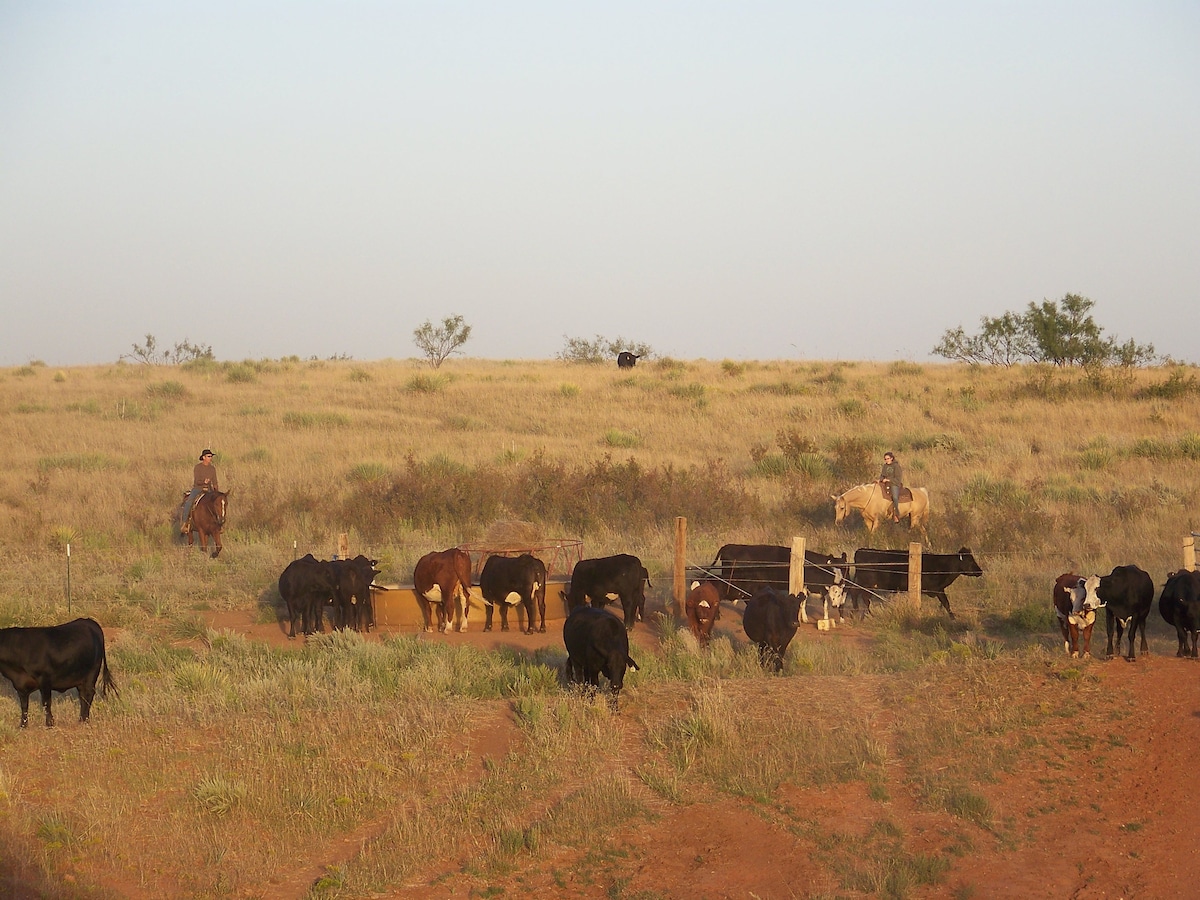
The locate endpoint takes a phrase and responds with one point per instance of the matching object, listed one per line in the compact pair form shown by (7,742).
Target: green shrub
(779,388)
(425,384)
(167,390)
(732,369)
(616,438)
(240,373)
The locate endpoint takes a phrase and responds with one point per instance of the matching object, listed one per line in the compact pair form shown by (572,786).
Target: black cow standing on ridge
(607,578)
(627,360)
(1127,594)
(56,658)
(887,570)
(1179,604)
(597,644)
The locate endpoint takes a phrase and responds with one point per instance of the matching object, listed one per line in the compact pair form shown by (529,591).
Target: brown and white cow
(443,579)
(1075,604)
(703,608)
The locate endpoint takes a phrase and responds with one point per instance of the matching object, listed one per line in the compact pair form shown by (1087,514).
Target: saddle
(905,493)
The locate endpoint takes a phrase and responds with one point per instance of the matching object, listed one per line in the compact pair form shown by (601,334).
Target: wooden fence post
(1189,553)
(680,586)
(796,569)
(343,546)
(914,576)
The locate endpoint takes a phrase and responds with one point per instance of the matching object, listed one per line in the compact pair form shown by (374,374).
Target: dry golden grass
(259,755)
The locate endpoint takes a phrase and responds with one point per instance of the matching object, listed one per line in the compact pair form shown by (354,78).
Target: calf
(56,658)
(1127,594)
(509,581)
(305,585)
(597,644)
(607,578)
(627,360)
(770,620)
(441,579)
(1075,605)
(703,608)
(1179,604)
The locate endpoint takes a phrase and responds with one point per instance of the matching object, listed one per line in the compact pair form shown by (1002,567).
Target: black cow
(770,620)
(746,567)
(1179,604)
(1127,594)
(609,578)
(56,658)
(352,579)
(627,360)
(887,570)
(507,581)
(305,586)
(597,644)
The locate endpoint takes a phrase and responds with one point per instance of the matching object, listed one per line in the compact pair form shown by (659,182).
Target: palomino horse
(208,518)
(875,505)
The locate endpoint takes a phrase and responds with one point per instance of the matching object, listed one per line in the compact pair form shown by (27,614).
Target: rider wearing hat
(204,478)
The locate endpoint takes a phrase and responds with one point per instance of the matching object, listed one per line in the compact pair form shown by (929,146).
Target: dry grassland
(230,768)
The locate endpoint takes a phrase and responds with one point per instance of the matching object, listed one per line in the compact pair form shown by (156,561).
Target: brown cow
(1075,604)
(442,579)
(703,609)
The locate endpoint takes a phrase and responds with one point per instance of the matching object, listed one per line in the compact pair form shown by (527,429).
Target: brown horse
(208,518)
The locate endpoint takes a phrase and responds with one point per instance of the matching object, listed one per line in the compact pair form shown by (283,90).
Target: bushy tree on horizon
(438,343)
(183,352)
(1062,333)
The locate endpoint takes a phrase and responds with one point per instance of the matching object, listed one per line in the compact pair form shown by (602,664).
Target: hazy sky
(744,180)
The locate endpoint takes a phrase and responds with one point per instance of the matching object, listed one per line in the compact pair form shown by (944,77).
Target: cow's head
(1084,598)
(968,565)
(836,595)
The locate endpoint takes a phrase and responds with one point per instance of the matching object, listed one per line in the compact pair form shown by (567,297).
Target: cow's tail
(106,680)
(646,575)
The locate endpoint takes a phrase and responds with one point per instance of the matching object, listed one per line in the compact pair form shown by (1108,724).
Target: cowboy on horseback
(891,477)
(204,479)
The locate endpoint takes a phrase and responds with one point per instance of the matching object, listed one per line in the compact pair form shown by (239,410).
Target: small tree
(184,351)
(438,343)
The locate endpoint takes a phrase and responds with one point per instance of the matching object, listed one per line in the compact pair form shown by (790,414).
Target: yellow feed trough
(396,604)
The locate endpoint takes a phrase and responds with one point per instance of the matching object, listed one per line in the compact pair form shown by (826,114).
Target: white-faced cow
(305,586)
(1127,594)
(56,658)
(770,620)
(746,567)
(443,579)
(510,581)
(627,360)
(703,608)
(352,579)
(1075,604)
(887,570)
(1179,604)
(597,644)
(608,578)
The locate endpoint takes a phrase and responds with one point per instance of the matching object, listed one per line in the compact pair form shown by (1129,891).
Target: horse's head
(219,502)
(840,508)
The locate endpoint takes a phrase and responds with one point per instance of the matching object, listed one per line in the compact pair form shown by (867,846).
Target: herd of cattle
(72,655)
